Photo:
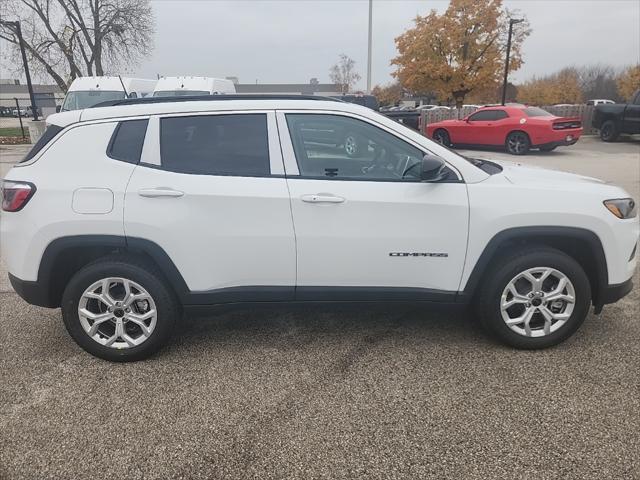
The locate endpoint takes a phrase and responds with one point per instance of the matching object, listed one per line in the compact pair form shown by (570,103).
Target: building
(46,96)
(322,89)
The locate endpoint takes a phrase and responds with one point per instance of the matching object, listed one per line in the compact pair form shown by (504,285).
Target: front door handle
(321,198)
(160,192)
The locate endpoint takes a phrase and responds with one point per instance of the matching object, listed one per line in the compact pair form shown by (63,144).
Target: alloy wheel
(537,301)
(441,137)
(350,145)
(518,143)
(117,313)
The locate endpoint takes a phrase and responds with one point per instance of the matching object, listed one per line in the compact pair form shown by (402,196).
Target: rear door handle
(321,198)
(160,192)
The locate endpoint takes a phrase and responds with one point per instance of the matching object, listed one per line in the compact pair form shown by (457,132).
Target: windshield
(536,112)
(179,93)
(88,98)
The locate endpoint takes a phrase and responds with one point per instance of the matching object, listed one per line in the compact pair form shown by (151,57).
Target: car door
(211,193)
(366,226)
(479,128)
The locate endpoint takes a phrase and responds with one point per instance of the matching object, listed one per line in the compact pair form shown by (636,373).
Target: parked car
(183,205)
(19,113)
(86,92)
(599,102)
(612,120)
(517,128)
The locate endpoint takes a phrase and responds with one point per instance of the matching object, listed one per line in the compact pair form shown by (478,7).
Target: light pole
(512,22)
(369,48)
(18,30)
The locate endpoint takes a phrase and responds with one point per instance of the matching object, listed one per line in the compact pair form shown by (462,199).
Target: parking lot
(324,394)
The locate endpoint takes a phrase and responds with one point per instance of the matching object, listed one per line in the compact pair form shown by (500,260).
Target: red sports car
(518,128)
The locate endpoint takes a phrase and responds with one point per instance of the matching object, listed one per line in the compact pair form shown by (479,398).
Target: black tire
(548,149)
(352,144)
(489,296)
(442,136)
(609,131)
(518,143)
(133,269)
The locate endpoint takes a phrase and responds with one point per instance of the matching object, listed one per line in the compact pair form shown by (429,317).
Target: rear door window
(236,145)
(127,141)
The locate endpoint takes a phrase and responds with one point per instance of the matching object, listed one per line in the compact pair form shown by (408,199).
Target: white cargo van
(183,86)
(86,92)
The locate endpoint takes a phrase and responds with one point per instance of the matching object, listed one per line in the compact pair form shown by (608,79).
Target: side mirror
(433,169)
(58,108)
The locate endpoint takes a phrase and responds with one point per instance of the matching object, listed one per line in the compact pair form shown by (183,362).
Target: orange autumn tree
(628,82)
(389,94)
(459,52)
(560,87)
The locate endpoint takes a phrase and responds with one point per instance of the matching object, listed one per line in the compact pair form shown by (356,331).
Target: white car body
(176,86)
(284,236)
(600,101)
(86,92)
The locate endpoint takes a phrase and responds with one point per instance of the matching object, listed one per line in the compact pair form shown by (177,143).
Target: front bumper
(613,293)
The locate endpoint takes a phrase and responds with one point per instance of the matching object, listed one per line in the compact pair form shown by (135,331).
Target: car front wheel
(537,298)
(118,309)
(442,137)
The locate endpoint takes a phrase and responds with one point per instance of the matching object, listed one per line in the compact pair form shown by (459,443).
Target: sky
(292,41)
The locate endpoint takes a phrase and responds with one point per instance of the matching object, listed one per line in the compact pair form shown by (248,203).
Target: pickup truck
(612,120)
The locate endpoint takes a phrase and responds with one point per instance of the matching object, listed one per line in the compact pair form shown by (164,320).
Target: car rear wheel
(518,143)
(537,298)
(118,309)
(608,131)
(442,136)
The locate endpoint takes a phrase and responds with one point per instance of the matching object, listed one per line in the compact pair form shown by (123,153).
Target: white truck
(192,86)
(86,92)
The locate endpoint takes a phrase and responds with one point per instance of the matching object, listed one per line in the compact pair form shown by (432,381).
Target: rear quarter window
(48,135)
(127,141)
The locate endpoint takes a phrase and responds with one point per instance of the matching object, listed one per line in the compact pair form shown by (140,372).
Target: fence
(584,112)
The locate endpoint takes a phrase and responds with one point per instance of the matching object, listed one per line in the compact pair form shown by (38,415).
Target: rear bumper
(34,293)
(558,143)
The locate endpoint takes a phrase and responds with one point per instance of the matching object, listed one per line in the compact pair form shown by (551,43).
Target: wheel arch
(516,130)
(65,256)
(582,245)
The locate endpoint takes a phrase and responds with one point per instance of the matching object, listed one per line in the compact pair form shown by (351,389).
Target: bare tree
(66,39)
(598,81)
(343,73)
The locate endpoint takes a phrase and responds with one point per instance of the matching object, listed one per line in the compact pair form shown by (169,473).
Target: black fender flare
(537,234)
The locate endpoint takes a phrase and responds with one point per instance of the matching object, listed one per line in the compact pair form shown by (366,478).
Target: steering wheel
(409,168)
(377,161)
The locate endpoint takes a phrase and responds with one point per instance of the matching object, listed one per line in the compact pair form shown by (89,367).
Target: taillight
(15,195)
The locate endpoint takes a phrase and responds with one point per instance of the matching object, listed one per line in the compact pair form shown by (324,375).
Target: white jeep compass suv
(127,214)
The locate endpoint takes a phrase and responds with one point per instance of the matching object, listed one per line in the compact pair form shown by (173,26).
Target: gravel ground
(319,394)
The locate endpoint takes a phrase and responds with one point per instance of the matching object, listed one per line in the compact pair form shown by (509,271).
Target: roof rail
(209,98)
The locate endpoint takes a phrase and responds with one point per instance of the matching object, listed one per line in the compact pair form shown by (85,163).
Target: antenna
(126,94)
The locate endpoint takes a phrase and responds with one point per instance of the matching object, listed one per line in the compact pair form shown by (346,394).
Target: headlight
(621,207)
